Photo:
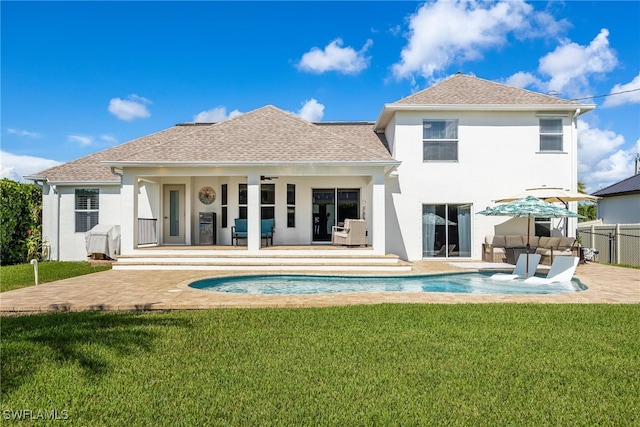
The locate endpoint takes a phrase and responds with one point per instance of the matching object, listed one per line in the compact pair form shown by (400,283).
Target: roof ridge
(494,88)
(195,129)
(315,126)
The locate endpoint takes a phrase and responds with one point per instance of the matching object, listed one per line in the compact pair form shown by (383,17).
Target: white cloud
(334,57)
(445,32)
(601,159)
(25,133)
(83,140)
(16,166)
(215,115)
(624,98)
(522,79)
(311,110)
(570,65)
(133,107)
(110,139)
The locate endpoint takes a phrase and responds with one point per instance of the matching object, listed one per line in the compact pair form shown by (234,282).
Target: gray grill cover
(103,239)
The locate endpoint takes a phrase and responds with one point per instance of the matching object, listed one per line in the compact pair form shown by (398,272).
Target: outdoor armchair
(239,230)
(354,233)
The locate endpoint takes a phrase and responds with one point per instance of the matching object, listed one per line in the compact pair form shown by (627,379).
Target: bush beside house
(20,222)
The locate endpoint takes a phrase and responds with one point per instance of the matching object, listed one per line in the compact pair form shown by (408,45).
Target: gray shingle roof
(263,135)
(460,89)
(626,186)
(260,136)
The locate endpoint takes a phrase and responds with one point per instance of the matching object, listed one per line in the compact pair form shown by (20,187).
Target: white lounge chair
(561,270)
(520,270)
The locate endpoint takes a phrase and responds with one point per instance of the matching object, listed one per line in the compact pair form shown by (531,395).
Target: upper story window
(87,208)
(440,140)
(551,134)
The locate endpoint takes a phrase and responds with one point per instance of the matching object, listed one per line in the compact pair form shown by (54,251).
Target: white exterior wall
(148,185)
(498,156)
(623,209)
(63,241)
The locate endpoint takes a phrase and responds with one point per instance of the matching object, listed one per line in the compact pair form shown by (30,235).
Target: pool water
(474,283)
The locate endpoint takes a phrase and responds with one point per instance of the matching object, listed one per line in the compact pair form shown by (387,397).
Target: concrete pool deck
(169,290)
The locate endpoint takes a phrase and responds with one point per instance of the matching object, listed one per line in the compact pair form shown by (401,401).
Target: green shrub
(20,222)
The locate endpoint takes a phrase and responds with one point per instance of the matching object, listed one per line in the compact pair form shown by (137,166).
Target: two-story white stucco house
(417,176)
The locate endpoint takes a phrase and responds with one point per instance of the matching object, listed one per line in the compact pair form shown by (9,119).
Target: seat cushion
(554,242)
(566,242)
(496,241)
(543,242)
(513,241)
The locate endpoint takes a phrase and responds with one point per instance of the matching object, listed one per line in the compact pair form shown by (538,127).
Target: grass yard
(476,364)
(21,275)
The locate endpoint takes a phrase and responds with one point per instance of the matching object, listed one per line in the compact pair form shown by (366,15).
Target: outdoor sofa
(496,247)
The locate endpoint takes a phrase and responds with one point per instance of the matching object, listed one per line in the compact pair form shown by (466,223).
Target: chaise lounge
(524,268)
(561,270)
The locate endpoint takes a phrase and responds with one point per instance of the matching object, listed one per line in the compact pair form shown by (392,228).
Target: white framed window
(242,201)
(440,140)
(87,209)
(551,134)
(291,205)
(267,201)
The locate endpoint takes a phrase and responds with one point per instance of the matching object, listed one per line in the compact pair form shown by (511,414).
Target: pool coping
(168,290)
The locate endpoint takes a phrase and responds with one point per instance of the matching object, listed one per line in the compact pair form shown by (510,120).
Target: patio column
(253,213)
(378,212)
(129,209)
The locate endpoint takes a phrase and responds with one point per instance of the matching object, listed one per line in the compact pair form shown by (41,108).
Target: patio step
(270,262)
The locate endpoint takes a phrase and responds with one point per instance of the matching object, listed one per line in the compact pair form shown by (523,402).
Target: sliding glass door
(446,231)
(331,206)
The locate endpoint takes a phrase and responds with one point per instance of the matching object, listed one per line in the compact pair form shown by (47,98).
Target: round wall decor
(207,195)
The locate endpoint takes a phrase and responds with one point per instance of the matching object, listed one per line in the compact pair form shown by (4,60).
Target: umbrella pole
(526,272)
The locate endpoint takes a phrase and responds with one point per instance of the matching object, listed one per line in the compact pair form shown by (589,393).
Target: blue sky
(79,77)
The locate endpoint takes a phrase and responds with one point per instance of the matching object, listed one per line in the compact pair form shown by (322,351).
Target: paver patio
(169,290)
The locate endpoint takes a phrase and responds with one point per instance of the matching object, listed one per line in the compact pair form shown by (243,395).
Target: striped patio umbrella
(528,207)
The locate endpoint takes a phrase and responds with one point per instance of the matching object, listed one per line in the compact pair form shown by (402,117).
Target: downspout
(115,171)
(574,171)
(56,229)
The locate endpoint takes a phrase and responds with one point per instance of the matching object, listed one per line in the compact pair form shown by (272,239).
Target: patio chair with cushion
(267,227)
(354,233)
(239,230)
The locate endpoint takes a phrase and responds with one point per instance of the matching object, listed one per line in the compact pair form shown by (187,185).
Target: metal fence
(147,231)
(615,244)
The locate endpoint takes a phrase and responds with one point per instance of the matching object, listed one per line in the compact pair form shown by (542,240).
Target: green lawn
(20,276)
(475,364)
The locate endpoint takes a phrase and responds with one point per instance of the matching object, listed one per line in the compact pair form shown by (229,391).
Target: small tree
(588,210)
(20,222)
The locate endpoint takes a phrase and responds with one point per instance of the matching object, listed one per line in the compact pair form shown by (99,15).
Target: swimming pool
(478,283)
